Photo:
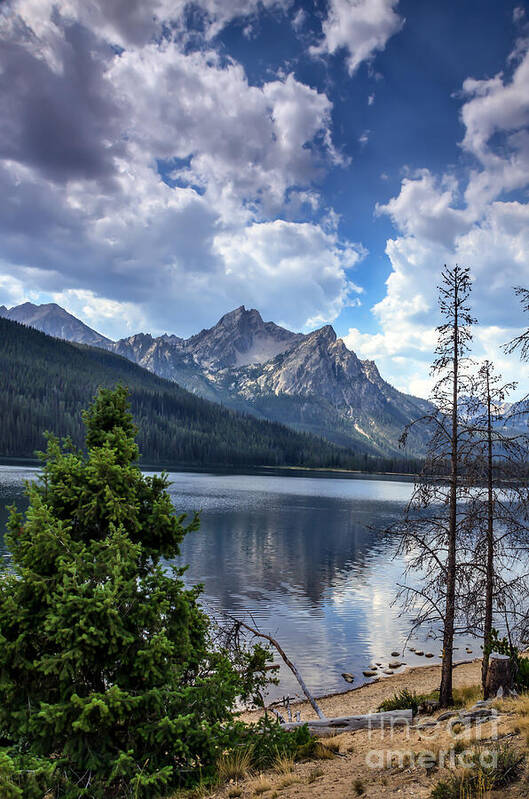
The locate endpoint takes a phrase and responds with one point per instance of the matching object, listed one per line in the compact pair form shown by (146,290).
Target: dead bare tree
(498,507)
(433,536)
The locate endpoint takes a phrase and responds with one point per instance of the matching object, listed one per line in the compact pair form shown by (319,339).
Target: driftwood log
(373,721)
(499,675)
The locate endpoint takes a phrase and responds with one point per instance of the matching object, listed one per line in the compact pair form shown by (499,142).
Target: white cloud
(12,291)
(294,272)
(496,112)
(361,27)
(425,209)
(184,167)
(364,138)
(438,221)
(136,22)
(112,318)
(238,143)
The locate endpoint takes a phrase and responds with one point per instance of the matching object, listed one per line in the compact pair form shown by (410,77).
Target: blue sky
(162,162)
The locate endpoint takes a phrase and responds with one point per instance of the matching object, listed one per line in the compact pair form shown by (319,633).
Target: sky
(163,162)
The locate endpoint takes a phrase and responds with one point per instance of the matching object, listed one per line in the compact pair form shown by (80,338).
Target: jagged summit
(239,338)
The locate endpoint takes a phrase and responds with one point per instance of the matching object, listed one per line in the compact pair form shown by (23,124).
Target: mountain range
(45,383)
(310,382)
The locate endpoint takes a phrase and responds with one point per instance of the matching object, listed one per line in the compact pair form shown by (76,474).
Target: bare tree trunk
(489,585)
(445,691)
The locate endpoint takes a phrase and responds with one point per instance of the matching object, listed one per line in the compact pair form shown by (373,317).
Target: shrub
(403,700)
(482,777)
(268,742)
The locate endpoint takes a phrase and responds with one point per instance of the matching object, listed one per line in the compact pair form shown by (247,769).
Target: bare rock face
(238,339)
(3,310)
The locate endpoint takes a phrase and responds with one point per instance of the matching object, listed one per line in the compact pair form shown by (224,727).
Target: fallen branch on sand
(287,660)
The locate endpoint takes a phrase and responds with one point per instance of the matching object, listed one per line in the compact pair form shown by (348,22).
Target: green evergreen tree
(107,669)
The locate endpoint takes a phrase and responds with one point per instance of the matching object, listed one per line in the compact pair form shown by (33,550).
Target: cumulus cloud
(153,181)
(274,259)
(136,22)
(228,138)
(496,119)
(360,27)
(440,221)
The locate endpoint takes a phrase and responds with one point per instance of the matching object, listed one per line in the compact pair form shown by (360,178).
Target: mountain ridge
(310,381)
(47,382)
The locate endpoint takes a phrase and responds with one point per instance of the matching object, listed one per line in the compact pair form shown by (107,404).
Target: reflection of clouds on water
(300,557)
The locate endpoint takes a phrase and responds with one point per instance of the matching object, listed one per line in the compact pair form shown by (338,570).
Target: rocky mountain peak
(240,338)
(325,333)
(50,318)
(3,310)
(240,316)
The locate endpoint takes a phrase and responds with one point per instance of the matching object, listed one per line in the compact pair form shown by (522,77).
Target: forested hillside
(45,383)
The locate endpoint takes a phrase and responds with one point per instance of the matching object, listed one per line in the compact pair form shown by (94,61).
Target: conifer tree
(107,669)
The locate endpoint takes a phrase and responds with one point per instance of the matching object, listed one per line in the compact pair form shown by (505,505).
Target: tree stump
(499,675)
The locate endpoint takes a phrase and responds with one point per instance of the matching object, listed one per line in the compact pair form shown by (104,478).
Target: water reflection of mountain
(297,544)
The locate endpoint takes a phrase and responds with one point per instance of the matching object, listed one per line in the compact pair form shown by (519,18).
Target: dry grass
(235,765)
(513,704)
(260,785)
(337,743)
(358,787)
(521,727)
(467,695)
(324,751)
(284,764)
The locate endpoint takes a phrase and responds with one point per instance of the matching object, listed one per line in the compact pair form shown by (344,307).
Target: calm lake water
(298,556)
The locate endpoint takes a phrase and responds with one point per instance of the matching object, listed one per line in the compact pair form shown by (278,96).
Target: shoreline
(365,698)
(220,469)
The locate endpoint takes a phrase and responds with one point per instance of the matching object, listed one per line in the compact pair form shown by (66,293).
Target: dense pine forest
(46,382)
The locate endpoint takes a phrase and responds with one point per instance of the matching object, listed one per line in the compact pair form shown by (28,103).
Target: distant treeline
(45,383)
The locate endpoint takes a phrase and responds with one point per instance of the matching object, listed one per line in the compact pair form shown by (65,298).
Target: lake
(302,557)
